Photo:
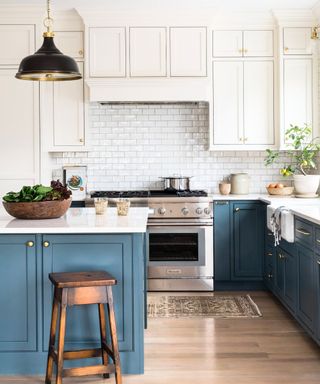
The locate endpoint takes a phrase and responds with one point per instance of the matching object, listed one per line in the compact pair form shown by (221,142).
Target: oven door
(180,252)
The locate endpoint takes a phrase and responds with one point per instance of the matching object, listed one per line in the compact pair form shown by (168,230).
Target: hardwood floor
(268,350)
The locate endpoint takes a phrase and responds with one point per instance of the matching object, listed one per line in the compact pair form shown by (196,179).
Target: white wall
(133,145)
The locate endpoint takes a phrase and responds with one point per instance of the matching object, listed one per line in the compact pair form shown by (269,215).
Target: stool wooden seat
(78,288)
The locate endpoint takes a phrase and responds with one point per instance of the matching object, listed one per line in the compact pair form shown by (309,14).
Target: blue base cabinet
(26,311)
(238,244)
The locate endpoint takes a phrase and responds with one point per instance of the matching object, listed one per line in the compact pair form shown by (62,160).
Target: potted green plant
(300,159)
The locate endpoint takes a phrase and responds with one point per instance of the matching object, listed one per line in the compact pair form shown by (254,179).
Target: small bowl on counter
(280,190)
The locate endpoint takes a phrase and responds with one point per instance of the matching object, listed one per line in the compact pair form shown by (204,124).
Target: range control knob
(162,211)
(199,211)
(185,211)
(207,211)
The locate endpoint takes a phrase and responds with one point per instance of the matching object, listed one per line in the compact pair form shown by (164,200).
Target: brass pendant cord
(48,21)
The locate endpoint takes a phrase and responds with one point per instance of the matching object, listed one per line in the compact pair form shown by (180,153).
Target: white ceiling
(147,4)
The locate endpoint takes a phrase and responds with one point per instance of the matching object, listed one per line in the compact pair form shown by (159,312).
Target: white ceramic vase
(306,184)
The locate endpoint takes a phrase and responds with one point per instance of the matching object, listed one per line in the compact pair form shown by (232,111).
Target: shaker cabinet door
(107,52)
(297,92)
(188,51)
(257,43)
(258,103)
(228,102)
(70,43)
(148,51)
(297,41)
(227,43)
(16,42)
(18,294)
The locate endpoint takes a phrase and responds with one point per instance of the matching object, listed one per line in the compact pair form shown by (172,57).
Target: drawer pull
(318,262)
(237,209)
(281,256)
(270,276)
(318,240)
(306,233)
(269,254)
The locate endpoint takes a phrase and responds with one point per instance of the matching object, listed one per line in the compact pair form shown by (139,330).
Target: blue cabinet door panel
(248,241)
(306,288)
(290,280)
(89,253)
(18,317)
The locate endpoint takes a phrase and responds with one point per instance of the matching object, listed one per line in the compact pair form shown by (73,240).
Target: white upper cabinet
(297,41)
(242,43)
(257,43)
(227,43)
(148,51)
(68,112)
(228,102)
(107,48)
(70,43)
(297,92)
(188,51)
(16,42)
(243,104)
(258,103)
(19,148)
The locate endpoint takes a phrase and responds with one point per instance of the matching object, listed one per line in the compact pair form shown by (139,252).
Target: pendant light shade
(48,63)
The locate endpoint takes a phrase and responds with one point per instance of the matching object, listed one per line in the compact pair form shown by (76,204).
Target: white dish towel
(275,222)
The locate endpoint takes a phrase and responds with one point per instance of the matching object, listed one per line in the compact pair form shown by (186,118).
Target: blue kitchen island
(79,241)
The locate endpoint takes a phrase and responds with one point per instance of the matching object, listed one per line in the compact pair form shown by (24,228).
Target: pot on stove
(176,183)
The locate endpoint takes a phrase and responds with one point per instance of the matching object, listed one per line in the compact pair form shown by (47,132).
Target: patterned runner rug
(202,306)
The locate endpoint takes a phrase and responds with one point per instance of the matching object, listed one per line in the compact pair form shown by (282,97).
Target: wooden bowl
(38,210)
(285,191)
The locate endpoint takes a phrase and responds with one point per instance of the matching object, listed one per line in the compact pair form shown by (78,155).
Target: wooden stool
(76,289)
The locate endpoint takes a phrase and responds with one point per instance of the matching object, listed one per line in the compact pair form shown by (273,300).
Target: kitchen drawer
(303,233)
(317,239)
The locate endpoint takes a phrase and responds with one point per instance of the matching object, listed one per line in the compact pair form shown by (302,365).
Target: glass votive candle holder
(123,206)
(100,205)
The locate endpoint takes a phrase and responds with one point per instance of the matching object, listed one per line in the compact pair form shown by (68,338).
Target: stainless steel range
(179,238)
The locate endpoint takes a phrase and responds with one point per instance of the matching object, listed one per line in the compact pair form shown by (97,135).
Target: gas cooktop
(148,194)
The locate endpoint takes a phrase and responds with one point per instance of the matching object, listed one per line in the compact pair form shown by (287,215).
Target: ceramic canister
(239,183)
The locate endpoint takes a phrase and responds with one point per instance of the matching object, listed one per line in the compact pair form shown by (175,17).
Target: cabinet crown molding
(296,17)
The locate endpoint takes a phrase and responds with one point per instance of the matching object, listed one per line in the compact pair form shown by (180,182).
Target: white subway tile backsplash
(132,145)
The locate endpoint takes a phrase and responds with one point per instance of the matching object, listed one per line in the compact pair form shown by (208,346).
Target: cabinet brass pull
(30,244)
(81,52)
(318,240)
(237,209)
(269,253)
(281,256)
(81,140)
(270,276)
(245,139)
(245,51)
(240,50)
(269,234)
(318,262)
(46,244)
(303,232)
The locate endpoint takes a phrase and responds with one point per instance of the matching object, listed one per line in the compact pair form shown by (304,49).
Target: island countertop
(79,220)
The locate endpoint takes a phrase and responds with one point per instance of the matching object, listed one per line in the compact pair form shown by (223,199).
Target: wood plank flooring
(269,350)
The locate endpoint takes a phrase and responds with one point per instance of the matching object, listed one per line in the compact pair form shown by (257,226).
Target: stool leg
(62,332)
(103,337)
(114,339)
(52,339)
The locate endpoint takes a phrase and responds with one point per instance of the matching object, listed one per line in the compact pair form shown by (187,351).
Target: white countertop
(79,220)
(308,209)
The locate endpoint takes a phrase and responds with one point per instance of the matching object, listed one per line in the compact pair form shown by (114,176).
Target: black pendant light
(48,63)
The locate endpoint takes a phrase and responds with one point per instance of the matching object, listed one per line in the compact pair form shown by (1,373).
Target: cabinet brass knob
(245,51)
(245,139)
(281,256)
(30,243)
(237,209)
(46,244)
(240,50)
(286,49)
(80,52)
(240,139)
(81,140)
